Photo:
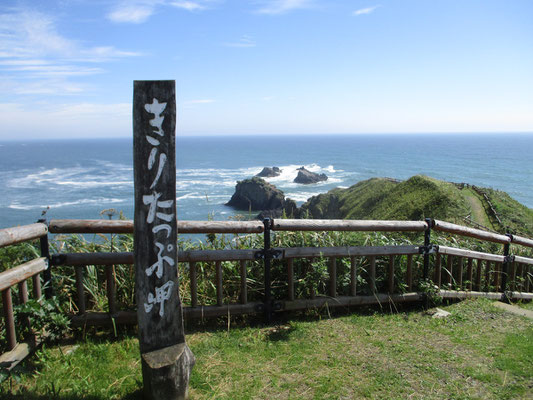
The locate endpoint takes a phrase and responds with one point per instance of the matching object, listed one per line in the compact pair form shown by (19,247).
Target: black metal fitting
(507,260)
(431,249)
(45,252)
(58,259)
(267,253)
(267,301)
(427,246)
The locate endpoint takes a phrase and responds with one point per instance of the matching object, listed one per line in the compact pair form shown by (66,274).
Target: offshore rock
(268,172)
(307,177)
(256,194)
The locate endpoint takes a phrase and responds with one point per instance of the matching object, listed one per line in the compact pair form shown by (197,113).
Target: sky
(267,66)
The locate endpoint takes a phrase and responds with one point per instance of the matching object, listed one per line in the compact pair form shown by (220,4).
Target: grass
(417,198)
(479,352)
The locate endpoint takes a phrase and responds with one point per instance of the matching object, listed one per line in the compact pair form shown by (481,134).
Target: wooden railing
(457,273)
(19,275)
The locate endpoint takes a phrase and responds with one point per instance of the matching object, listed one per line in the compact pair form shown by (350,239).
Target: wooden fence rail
(456,272)
(17,276)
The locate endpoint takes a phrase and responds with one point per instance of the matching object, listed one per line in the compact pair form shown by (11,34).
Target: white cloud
(138,11)
(188,5)
(366,10)
(131,13)
(274,7)
(39,60)
(31,34)
(245,41)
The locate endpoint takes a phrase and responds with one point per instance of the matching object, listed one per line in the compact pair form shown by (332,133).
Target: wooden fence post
(166,359)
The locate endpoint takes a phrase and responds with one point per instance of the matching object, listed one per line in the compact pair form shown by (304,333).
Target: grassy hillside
(420,197)
(512,213)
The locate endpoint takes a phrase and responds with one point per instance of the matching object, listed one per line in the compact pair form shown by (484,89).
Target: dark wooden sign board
(166,359)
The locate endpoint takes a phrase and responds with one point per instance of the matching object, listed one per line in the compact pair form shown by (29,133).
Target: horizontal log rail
(80,259)
(19,234)
(470,254)
(126,226)
(348,225)
(522,241)
(470,232)
(87,226)
(307,252)
(200,312)
(523,260)
(18,274)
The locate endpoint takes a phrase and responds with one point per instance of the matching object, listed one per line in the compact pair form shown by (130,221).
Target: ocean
(81,178)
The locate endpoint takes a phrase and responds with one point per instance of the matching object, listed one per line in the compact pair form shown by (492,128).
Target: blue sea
(81,178)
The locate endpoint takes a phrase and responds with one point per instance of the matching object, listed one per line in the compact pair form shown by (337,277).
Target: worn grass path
(479,214)
(479,352)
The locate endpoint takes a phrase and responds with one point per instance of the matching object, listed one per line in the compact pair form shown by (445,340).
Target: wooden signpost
(166,359)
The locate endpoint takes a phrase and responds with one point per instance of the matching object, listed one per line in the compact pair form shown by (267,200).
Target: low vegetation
(479,352)
(423,197)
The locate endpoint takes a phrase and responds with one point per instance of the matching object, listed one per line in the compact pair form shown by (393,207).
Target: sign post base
(166,372)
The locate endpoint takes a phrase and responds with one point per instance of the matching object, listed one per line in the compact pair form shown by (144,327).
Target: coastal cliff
(419,197)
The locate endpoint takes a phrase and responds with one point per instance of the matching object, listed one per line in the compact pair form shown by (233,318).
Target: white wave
(301,196)
(17,206)
(290,172)
(194,195)
(184,184)
(93,184)
(75,176)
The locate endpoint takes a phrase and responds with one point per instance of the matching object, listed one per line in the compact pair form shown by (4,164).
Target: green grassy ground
(479,352)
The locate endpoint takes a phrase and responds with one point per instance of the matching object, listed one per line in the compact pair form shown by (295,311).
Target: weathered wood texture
(126,226)
(456,294)
(348,225)
(524,260)
(218,282)
(470,232)
(522,241)
(409,273)
(220,227)
(9,236)
(111,288)
(237,255)
(90,226)
(372,273)
(449,270)
(332,271)
(390,275)
(346,301)
(159,311)
(12,358)
(460,272)
(244,286)
(36,279)
(22,272)
(479,274)
(296,252)
(194,284)
(469,253)
(353,276)
(80,289)
(9,319)
(470,273)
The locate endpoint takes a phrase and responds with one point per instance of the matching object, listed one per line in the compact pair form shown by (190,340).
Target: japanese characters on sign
(159,213)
